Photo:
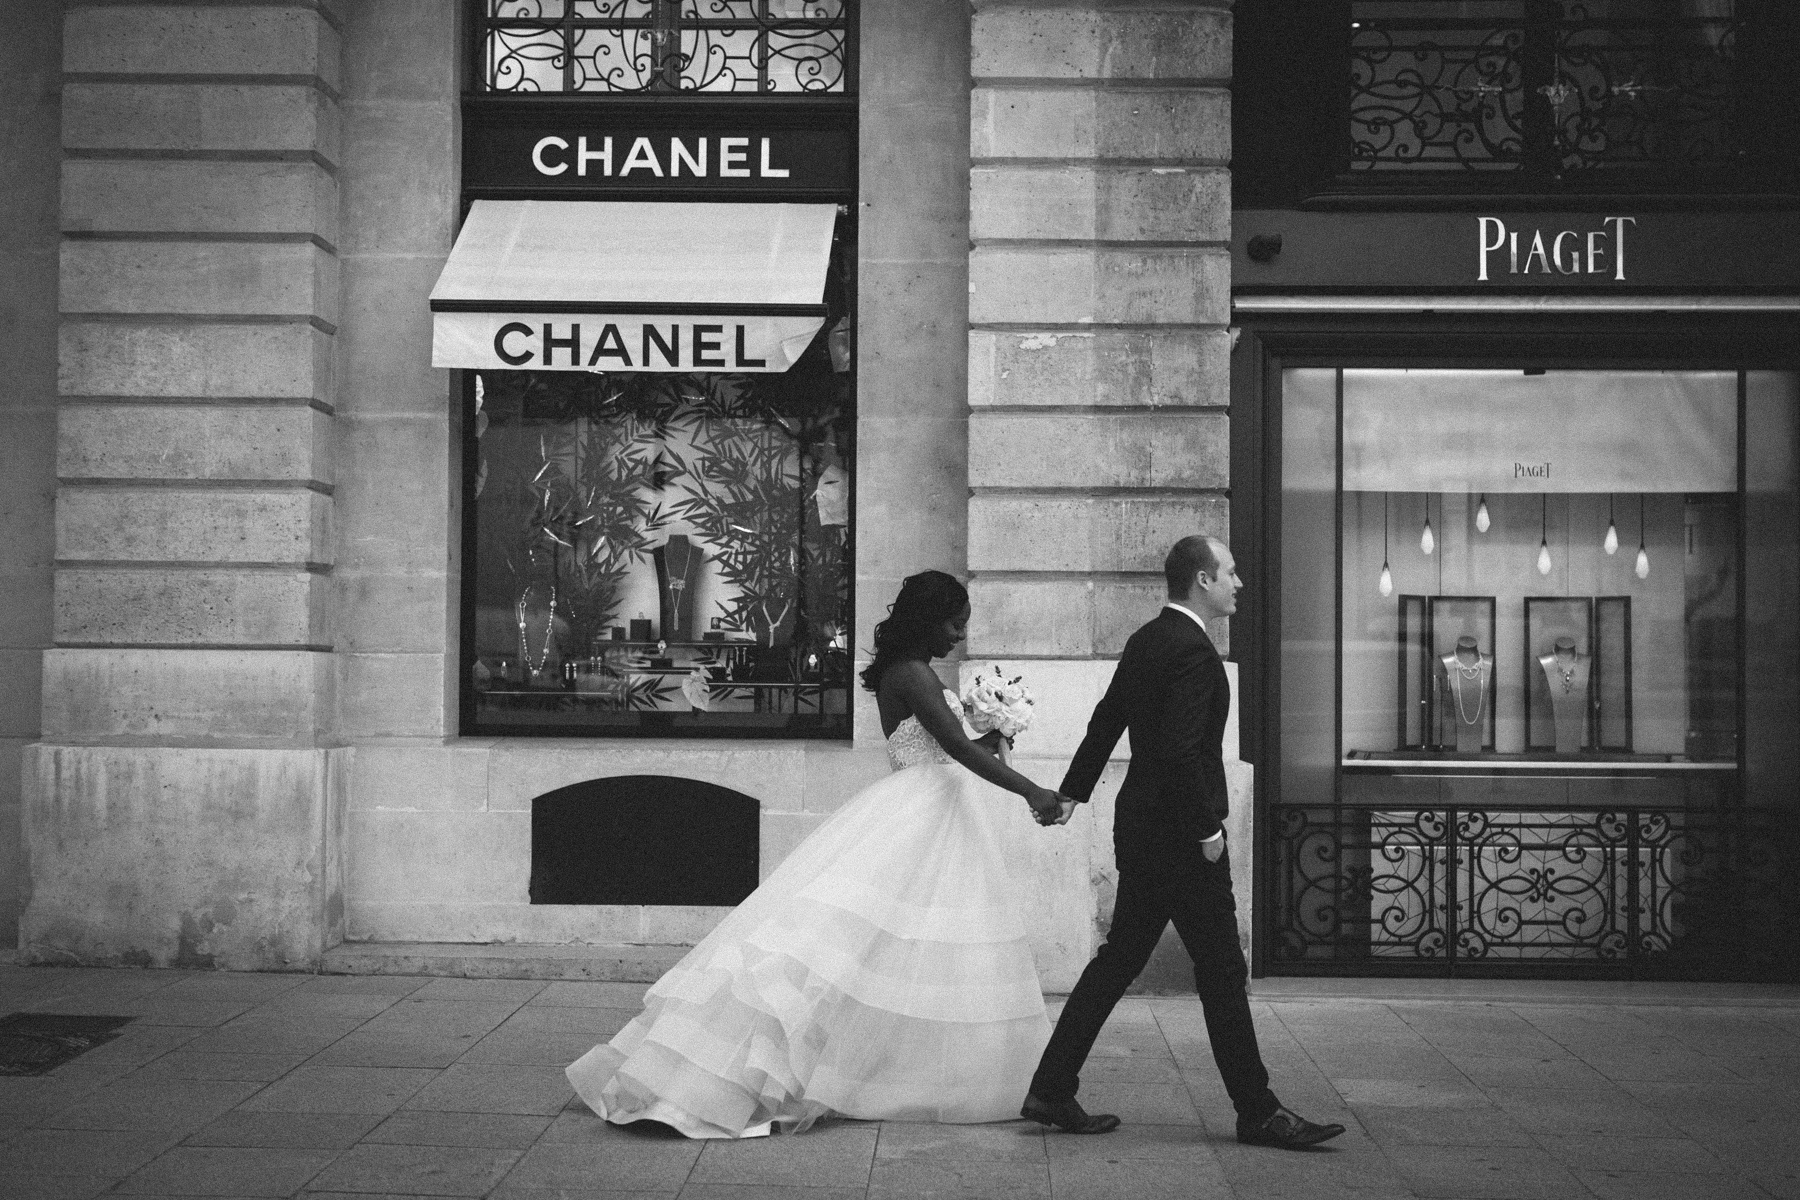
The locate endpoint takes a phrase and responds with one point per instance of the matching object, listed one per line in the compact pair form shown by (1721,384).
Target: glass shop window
(1541,566)
(1548,713)
(661,554)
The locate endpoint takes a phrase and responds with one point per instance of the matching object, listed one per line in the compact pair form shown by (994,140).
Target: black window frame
(1291,106)
(677,111)
(665,27)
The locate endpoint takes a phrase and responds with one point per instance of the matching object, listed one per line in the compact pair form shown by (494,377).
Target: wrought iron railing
(1411,888)
(637,46)
(1546,88)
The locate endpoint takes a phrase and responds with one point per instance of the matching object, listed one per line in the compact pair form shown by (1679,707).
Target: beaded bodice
(910,743)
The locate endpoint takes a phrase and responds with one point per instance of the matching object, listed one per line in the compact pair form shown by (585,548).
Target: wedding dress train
(883,971)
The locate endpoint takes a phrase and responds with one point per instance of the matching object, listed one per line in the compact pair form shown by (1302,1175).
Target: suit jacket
(1171,691)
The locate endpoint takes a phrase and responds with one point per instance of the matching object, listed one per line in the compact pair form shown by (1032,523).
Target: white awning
(579,285)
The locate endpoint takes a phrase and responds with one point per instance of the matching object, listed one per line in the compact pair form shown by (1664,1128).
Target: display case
(1513,546)
(661,554)
(1554,673)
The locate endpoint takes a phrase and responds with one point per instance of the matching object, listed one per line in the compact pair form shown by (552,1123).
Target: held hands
(1048,807)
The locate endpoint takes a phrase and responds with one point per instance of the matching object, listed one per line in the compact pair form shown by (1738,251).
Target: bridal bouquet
(996,702)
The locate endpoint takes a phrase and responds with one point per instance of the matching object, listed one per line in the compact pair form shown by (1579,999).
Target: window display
(1540,714)
(660,554)
(1508,488)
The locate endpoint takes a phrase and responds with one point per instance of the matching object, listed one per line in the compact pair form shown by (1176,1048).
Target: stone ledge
(617,963)
(1179,124)
(210,39)
(1077,533)
(185,361)
(1099,202)
(1150,449)
(1189,368)
(164,441)
(199,116)
(210,279)
(198,196)
(1080,43)
(1106,285)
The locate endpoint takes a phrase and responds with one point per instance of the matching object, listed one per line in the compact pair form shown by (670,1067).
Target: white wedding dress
(881,972)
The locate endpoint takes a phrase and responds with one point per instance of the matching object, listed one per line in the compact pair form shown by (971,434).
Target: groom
(1170,690)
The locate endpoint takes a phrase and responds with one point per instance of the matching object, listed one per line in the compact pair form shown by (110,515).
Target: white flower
(996,702)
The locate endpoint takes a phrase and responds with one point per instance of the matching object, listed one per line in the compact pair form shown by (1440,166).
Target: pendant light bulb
(1611,544)
(1643,563)
(1481,517)
(1427,543)
(1386,583)
(1543,558)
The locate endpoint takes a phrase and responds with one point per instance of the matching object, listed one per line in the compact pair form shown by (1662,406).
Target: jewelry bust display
(1468,674)
(1567,673)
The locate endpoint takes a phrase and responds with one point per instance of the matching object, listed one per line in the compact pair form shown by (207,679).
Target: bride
(882,972)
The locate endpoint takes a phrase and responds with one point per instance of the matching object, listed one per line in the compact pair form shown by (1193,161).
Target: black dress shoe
(1068,1116)
(1285,1130)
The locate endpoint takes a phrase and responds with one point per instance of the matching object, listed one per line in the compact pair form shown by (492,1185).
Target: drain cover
(33,1043)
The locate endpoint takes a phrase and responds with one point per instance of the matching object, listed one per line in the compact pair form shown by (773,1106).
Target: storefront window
(1525,725)
(660,553)
(626,46)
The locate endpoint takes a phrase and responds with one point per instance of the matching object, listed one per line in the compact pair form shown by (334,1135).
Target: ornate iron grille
(636,46)
(1542,87)
(1445,885)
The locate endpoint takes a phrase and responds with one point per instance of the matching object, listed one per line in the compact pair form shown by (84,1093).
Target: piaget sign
(1524,249)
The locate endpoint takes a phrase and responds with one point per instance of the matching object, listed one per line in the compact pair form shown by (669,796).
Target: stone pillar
(30,66)
(913,274)
(180,809)
(1098,375)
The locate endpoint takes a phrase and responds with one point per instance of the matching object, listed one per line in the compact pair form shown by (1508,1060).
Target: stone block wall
(913,280)
(249,743)
(1099,296)
(30,62)
(183,806)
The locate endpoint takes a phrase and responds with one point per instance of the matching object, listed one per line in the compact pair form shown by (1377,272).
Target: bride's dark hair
(926,600)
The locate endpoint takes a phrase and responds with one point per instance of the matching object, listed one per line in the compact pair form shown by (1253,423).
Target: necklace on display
(1567,672)
(1467,671)
(549,630)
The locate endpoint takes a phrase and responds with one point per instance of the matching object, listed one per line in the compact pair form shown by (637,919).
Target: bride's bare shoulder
(903,690)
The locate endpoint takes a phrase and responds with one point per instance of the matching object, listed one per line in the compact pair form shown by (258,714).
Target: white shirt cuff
(1215,837)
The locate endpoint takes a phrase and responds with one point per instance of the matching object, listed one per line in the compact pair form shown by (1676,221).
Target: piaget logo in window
(1527,250)
(1524,470)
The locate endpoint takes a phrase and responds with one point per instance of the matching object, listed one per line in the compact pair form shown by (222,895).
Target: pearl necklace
(1567,673)
(1467,672)
(549,630)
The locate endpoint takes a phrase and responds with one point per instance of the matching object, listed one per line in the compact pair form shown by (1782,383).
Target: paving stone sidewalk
(337,1086)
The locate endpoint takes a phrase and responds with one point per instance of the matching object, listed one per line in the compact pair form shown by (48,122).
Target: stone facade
(248,744)
(185,804)
(1099,299)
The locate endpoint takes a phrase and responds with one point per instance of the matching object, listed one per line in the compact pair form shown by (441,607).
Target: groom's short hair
(1187,558)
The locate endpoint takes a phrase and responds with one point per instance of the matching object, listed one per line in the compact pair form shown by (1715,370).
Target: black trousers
(1161,882)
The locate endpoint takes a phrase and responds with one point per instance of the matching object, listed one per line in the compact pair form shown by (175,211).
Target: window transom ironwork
(637,46)
(1544,87)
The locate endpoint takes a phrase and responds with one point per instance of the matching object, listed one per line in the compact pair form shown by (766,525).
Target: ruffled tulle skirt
(882,972)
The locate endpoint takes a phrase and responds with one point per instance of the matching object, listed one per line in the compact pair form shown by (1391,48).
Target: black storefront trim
(604,307)
(1269,342)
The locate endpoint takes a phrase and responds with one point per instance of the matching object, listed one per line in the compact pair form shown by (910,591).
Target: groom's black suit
(1171,692)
